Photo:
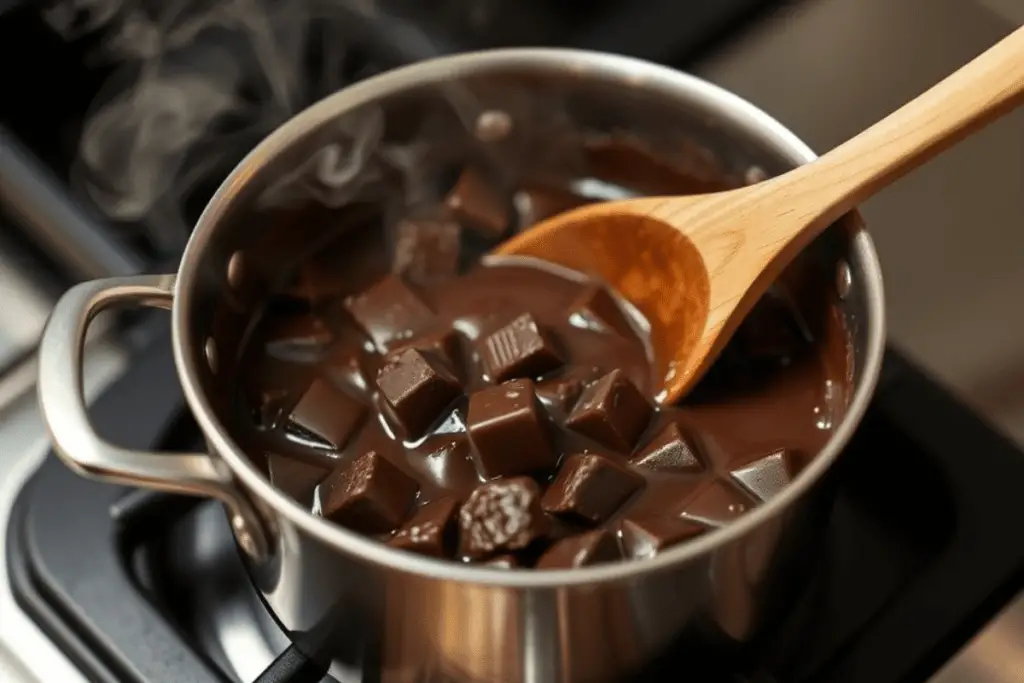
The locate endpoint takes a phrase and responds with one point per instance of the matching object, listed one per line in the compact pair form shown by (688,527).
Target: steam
(197,83)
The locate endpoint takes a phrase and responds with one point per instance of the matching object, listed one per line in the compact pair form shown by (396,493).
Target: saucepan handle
(75,441)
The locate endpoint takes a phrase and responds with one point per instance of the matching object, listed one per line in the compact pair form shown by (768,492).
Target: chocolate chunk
(765,477)
(430,531)
(593,547)
(669,451)
(590,488)
(418,389)
(272,405)
(370,495)
(597,309)
(500,516)
(295,478)
(328,413)
(445,345)
(647,536)
(503,562)
(612,412)
(508,430)
(559,394)
(519,349)
(447,463)
(426,249)
(534,205)
(479,205)
(716,504)
(389,312)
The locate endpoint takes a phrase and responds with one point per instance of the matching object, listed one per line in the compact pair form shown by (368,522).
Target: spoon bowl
(694,266)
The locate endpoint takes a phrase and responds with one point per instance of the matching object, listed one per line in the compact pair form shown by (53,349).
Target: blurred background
(118,118)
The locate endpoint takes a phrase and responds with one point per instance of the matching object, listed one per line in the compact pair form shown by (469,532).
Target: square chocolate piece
(418,388)
(430,531)
(765,477)
(589,488)
(612,412)
(669,451)
(583,550)
(597,309)
(479,205)
(519,349)
(327,413)
(647,536)
(426,249)
(445,345)
(509,431)
(501,516)
(389,312)
(370,495)
(295,478)
(716,504)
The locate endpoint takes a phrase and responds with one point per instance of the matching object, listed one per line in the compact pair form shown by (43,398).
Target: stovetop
(138,586)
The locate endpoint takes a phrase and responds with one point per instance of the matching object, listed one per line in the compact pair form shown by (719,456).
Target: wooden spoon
(696,265)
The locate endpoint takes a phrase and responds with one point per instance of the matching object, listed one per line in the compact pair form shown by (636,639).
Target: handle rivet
(844,280)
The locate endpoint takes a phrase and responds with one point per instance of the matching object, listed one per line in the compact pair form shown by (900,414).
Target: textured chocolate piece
(765,477)
(670,451)
(612,412)
(589,488)
(389,312)
(326,412)
(426,249)
(596,309)
(479,205)
(646,536)
(370,495)
(430,531)
(500,516)
(593,547)
(519,349)
(508,431)
(418,389)
(716,504)
(445,345)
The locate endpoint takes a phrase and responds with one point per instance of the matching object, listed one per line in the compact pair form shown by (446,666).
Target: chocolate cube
(500,516)
(648,535)
(445,346)
(519,349)
(670,451)
(479,205)
(612,412)
(430,531)
(765,477)
(327,413)
(508,431)
(716,504)
(426,249)
(597,309)
(388,312)
(583,550)
(559,394)
(589,488)
(418,389)
(293,477)
(370,495)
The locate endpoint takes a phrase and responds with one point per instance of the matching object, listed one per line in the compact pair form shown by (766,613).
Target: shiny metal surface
(347,597)
(78,445)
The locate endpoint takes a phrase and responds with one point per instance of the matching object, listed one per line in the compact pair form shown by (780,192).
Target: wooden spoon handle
(987,87)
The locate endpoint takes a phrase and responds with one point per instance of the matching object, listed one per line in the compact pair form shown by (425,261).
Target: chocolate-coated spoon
(695,266)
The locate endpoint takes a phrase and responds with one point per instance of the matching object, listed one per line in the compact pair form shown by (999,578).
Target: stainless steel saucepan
(358,603)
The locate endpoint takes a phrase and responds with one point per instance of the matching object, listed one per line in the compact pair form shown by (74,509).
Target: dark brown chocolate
(593,547)
(670,450)
(765,477)
(612,411)
(589,488)
(509,431)
(430,531)
(370,495)
(426,249)
(501,516)
(597,309)
(328,413)
(418,388)
(389,312)
(479,205)
(716,503)
(519,349)
(646,536)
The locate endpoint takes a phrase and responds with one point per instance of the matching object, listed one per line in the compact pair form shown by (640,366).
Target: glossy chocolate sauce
(505,416)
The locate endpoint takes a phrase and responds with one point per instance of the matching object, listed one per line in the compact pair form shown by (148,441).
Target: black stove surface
(916,560)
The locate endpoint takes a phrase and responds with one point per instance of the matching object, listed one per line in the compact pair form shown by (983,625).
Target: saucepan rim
(630,71)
